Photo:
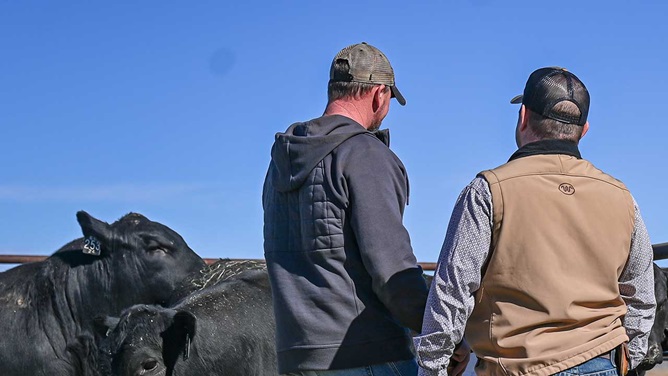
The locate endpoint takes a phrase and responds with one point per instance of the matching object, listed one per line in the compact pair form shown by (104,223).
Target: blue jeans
(594,367)
(403,368)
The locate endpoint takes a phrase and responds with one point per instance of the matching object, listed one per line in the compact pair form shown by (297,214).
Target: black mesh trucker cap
(548,86)
(366,64)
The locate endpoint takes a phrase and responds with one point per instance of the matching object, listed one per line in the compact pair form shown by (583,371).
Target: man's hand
(459,359)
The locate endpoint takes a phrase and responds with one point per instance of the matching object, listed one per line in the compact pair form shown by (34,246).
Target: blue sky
(170,108)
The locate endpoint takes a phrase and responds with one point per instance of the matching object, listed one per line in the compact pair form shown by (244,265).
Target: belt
(609,355)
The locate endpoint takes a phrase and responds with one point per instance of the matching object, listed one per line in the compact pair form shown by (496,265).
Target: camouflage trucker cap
(366,64)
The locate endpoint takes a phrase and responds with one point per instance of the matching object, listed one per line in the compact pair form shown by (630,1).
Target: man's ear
(378,92)
(585,128)
(524,118)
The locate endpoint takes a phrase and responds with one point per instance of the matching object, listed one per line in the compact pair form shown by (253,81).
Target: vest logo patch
(566,189)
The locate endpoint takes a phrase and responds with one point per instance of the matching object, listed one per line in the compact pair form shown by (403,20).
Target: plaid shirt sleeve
(456,278)
(636,286)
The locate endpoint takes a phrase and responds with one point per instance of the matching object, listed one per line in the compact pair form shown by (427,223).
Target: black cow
(657,336)
(226,327)
(45,305)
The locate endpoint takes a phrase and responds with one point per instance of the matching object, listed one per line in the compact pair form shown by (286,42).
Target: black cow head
(658,333)
(147,340)
(146,259)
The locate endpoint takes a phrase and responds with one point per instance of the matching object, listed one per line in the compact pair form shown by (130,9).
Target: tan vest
(549,298)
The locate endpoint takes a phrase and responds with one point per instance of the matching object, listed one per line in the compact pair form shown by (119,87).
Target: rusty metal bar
(660,253)
(19,259)
(22,259)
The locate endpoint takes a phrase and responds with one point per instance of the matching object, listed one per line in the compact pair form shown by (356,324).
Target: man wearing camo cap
(345,282)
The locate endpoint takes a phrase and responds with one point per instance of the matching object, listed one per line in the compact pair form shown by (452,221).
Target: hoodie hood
(303,145)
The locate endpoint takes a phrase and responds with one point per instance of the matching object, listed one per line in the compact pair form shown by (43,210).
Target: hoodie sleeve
(378,192)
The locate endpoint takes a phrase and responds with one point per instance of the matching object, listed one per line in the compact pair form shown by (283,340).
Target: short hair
(550,129)
(347,89)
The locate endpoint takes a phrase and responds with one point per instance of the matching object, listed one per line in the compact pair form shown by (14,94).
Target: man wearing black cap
(546,267)
(345,283)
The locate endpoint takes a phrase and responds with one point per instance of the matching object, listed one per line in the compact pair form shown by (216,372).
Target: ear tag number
(91,246)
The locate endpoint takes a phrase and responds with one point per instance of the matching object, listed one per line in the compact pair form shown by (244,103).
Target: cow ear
(104,325)
(185,324)
(97,234)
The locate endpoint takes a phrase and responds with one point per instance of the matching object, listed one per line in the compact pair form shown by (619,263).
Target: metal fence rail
(660,253)
(22,259)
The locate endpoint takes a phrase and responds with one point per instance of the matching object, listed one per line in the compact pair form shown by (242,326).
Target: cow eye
(149,365)
(158,250)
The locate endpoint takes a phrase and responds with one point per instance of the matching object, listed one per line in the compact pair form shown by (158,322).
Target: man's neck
(349,109)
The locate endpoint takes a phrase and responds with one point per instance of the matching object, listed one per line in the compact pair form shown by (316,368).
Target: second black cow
(226,327)
(657,337)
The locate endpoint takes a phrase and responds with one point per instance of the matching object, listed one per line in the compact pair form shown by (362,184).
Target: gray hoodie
(345,282)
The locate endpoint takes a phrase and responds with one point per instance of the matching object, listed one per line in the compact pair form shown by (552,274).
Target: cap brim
(397,94)
(517,99)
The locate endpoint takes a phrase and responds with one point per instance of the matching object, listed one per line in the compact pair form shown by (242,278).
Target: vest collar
(547,147)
